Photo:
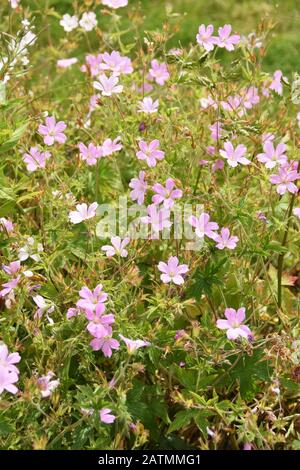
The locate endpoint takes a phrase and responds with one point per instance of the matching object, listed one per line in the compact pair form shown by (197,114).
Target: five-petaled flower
(134,344)
(108,85)
(273,156)
(205,37)
(117,247)
(52,131)
(106,416)
(234,324)
(46,385)
(83,212)
(148,106)
(234,156)
(284,179)
(150,152)
(35,159)
(139,187)
(224,240)
(159,72)
(166,194)
(172,271)
(203,226)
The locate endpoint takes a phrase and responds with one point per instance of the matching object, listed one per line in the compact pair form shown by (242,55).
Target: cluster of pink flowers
(91,153)
(92,304)
(224,39)
(107,62)
(9,373)
(204,227)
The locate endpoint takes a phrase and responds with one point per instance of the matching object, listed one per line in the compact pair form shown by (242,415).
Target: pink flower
(216,130)
(111,146)
(106,344)
(8,360)
(108,85)
(284,179)
(150,152)
(157,218)
(83,212)
(46,385)
(93,65)
(115,3)
(250,97)
(99,323)
(133,345)
(66,63)
(172,271)
(44,307)
(208,102)
(9,286)
(53,131)
(276,84)
(166,194)
(116,63)
(204,226)
(225,40)
(106,416)
(225,240)
(72,312)
(271,156)
(117,247)
(6,224)
(148,106)
(218,165)
(14,3)
(139,186)
(7,379)
(296,212)
(247,446)
(12,268)
(90,153)
(35,159)
(233,324)
(266,137)
(234,156)
(205,37)
(90,299)
(159,72)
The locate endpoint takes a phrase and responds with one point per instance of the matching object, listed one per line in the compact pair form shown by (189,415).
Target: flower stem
(281,256)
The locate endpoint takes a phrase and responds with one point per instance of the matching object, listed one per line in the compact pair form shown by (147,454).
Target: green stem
(197,180)
(281,256)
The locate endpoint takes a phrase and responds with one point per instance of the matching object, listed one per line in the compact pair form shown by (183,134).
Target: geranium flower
(69,22)
(116,63)
(8,360)
(110,146)
(272,156)
(172,271)
(117,247)
(106,344)
(14,3)
(6,224)
(9,286)
(7,379)
(72,312)
(233,324)
(205,37)
(157,218)
(12,268)
(208,102)
(133,345)
(35,159)
(225,39)
(284,179)
(139,186)
(90,153)
(66,63)
(148,106)
(83,212)
(224,240)
(296,212)
(159,72)
(88,21)
(150,152)
(45,307)
(108,85)
(166,194)
(106,416)
(234,156)
(115,3)
(216,130)
(31,250)
(204,226)
(91,298)
(99,323)
(276,84)
(53,131)
(46,385)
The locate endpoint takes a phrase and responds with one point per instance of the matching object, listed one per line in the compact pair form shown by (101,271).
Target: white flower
(44,307)
(69,22)
(88,21)
(108,85)
(148,106)
(14,3)
(117,247)
(115,3)
(30,250)
(83,212)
